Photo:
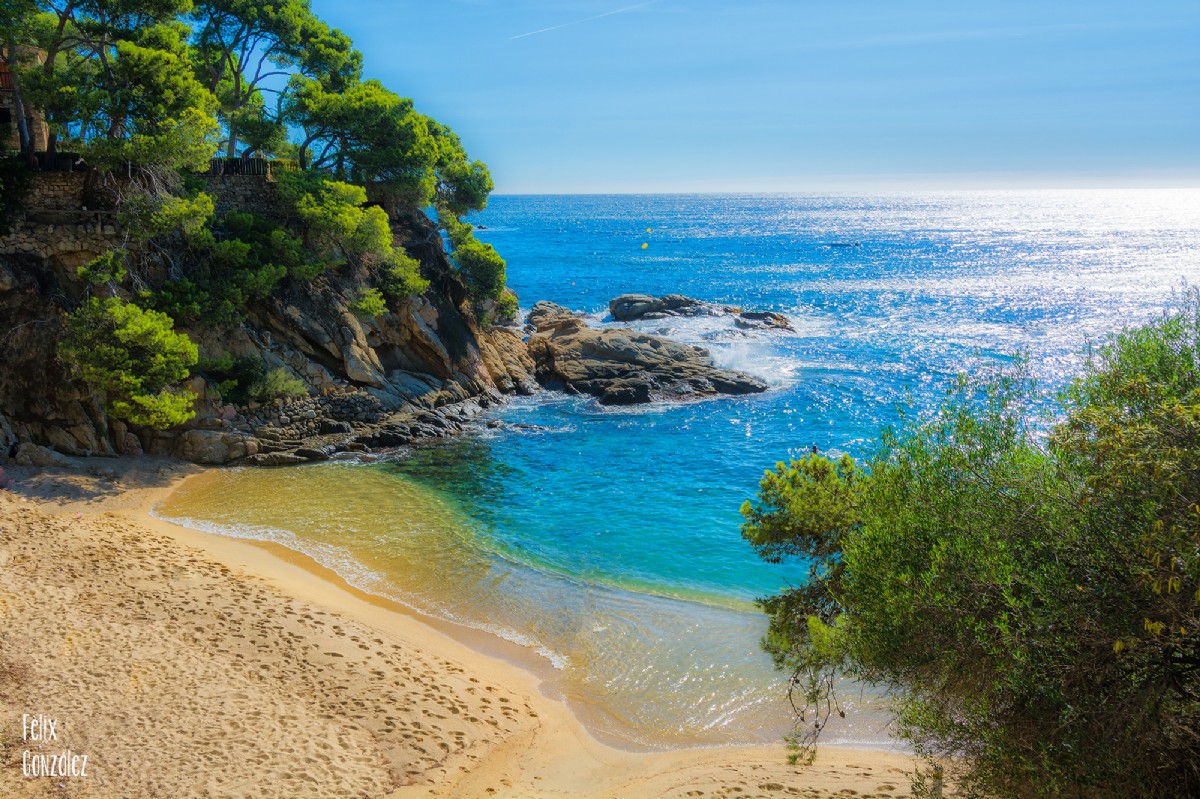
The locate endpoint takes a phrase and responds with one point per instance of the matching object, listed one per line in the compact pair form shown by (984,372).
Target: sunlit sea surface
(606,540)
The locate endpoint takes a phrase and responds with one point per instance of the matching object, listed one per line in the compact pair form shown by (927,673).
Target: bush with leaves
(480,265)
(278,383)
(134,357)
(1033,601)
(245,379)
(105,269)
(244,258)
(341,227)
(401,276)
(146,215)
(344,230)
(369,303)
(507,306)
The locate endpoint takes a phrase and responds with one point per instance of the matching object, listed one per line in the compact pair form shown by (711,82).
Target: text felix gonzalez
(42,730)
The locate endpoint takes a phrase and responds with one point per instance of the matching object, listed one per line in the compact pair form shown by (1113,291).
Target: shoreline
(532,746)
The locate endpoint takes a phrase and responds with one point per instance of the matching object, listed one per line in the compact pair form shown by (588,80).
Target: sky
(593,96)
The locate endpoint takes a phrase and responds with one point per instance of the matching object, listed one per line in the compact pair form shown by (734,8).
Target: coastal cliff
(418,366)
(422,355)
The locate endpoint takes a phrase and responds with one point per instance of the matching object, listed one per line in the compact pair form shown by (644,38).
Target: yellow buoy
(648,230)
(645,245)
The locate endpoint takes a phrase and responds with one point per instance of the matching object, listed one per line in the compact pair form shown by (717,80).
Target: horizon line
(838,190)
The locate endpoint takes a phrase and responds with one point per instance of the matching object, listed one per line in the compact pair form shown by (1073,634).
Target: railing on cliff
(261,167)
(60,162)
(264,167)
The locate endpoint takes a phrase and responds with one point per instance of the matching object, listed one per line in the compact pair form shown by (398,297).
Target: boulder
(631,307)
(213,446)
(622,367)
(507,361)
(41,457)
(762,320)
(315,453)
(275,459)
(548,316)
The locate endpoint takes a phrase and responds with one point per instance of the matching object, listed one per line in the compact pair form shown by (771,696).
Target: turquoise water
(607,539)
(890,297)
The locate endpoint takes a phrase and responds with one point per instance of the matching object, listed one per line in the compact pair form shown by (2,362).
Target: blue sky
(699,95)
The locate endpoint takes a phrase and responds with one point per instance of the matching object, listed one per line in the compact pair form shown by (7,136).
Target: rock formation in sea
(622,367)
(631,307)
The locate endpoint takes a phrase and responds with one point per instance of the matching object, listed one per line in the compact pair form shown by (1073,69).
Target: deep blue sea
(608,539)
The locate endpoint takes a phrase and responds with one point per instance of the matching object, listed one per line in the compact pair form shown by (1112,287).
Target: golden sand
(183,664)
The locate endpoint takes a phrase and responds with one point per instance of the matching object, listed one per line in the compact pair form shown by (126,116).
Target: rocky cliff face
(401,369)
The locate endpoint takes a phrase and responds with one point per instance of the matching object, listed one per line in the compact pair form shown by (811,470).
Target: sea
(605,542)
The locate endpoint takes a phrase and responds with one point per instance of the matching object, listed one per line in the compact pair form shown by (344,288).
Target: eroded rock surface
(622,367)
(631,307)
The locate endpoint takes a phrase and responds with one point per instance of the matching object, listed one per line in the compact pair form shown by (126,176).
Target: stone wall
(56,191)
(88,235)
(71,212)
(56,220)
(247,194)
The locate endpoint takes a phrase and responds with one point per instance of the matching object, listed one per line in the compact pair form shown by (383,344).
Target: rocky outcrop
(417,371)
(631,307)
(622,367)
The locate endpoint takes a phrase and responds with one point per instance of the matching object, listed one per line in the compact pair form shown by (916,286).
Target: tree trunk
(233,112)
(23,121)
(231,151)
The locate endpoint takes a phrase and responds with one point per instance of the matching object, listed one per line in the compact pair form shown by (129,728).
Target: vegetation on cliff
(1033,600)
(132,356)
(153,89)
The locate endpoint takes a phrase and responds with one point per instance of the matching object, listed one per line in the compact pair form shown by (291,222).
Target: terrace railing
(251,166)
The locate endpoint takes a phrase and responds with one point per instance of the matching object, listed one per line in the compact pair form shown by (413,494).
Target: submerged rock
(762,320)
(622,367)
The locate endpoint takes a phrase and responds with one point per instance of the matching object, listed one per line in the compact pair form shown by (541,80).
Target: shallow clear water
(607,539)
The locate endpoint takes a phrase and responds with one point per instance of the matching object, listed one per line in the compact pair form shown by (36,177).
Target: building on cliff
(8,106)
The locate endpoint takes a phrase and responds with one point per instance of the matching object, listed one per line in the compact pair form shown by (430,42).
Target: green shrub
(369,303)
(108,268)
(482,267)
(133,356)
(1034,603)
(278,383)
(245,379)
(246,258)
(147,215)
(507,307)
(401,277)
(234,377)
(343,229)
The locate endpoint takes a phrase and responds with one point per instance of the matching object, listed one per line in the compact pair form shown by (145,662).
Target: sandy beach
(164,662)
